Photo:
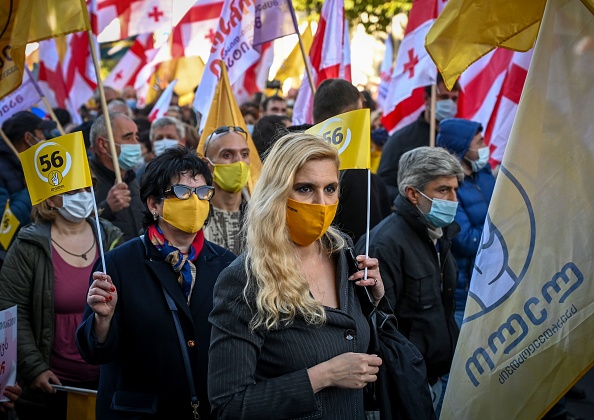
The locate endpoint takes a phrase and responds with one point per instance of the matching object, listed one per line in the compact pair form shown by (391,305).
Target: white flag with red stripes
(385,72)
(125,72)
(414,68)
(51,77)
(329,57)
(162,104)
(79,71)
(500,124)
(255,77)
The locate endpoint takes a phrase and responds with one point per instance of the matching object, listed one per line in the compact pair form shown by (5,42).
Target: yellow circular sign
(52,163)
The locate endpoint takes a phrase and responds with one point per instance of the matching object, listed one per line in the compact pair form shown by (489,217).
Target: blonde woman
(289,337)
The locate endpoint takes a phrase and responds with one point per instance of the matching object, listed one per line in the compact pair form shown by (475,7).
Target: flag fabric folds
(79,71)
(456,40)
(20,100)
(274,19)
(162,104)
(56,166)
(293,66)
(194,34)
(351,135)
(225,111)
(526,336)
(385,72)
(125,72)
(329,57)
(28,21)
(9,226)
(413,69)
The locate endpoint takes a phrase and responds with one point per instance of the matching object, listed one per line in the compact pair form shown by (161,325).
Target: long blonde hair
(274,275)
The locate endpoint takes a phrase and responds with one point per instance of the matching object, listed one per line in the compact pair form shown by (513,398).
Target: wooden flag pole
(432,116)
(45,102)
(302,48)
(112,149)
(8,142)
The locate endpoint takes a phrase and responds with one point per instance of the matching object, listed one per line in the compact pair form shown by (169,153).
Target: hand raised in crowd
(102,299)
(347,370)
(44,381)
(13,393)
(374,278)
(118,197)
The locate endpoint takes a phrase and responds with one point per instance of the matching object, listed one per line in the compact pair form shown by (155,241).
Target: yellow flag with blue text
(56,166)
(529,319)
(9,226)
(351,135)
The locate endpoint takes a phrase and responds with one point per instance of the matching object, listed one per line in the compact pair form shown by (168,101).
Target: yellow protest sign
(351,135)
(56,166)
(9,226)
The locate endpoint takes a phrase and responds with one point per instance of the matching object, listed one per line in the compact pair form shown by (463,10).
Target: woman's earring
(155,217)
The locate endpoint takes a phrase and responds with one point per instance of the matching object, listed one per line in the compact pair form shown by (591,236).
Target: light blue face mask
(159,146)
(442,212)
(250,128)
(130,155)
(445,109)
(481,162)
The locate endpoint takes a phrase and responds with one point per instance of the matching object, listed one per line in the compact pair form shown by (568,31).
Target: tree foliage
(375,15)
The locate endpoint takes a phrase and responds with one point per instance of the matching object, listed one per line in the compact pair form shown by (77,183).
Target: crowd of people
(224,302)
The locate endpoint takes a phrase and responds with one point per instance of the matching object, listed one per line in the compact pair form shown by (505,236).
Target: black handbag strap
(182,344)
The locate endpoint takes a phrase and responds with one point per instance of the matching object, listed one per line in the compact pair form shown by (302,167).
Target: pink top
(71,285)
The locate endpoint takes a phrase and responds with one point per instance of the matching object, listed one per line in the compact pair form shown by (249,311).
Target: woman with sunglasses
(128,325)
(289,336)
(46,273)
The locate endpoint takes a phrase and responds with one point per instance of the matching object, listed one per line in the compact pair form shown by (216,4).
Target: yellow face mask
(186,215)
(308,222)
(231,177)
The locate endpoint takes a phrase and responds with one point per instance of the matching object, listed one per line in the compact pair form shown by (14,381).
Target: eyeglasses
(223,129)
(183,192)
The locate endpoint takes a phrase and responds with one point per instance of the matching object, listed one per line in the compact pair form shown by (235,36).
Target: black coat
(263,374)
(141,359)
(413,277)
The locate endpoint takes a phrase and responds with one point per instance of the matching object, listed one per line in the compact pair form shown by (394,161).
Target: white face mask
(76,207)
(159,146)
(481,162)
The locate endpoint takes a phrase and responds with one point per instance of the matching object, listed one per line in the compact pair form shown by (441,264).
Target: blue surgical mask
(130,155)
(445,109)
(442,212)
(159,146)
(132,104)
(250,128)
(481,162)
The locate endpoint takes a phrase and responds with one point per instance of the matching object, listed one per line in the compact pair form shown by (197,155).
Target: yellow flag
(56,166)
(225,111)
(9,226)
(81,406)
(293,66)
(529,319)
(350,134)
(26,21)
(455,40)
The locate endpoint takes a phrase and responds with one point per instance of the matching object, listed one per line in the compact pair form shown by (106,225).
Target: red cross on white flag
(125,72)
(195,32)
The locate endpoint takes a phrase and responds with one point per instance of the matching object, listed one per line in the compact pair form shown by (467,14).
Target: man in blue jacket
(464,139)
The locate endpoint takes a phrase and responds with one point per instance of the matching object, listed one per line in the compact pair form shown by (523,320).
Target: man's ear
(412,195)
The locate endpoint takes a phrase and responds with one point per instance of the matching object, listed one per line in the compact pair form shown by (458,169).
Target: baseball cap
(16,126)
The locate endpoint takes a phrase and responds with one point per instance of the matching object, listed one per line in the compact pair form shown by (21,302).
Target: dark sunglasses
(223,129)
(183,192)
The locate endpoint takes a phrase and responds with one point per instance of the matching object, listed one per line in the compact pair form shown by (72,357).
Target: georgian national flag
(414,68)
(162,104)
(124,18)
(194,34)
(79,72)
(500,124)
(386,72)
(125,72)
(255,77)
(329,57)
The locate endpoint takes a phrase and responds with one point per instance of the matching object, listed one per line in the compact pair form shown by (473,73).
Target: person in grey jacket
(46,273)
(289,338)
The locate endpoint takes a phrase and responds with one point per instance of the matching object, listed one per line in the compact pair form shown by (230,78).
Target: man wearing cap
(119,203)
(24,129)
(228,154)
